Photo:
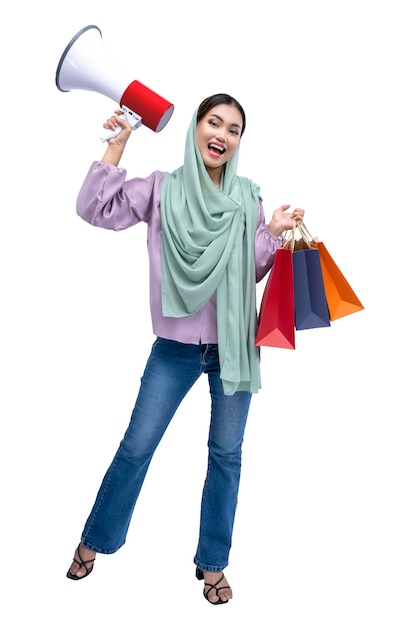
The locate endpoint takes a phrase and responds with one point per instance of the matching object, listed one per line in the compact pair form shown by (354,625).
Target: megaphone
(86,64)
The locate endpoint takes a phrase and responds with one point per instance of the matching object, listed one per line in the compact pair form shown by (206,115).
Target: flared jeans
(171,370)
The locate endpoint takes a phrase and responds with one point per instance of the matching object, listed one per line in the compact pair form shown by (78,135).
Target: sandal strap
(217,589)
(82,563)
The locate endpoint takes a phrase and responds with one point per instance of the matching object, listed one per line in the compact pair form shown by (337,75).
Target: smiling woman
(218,135)
(208,244)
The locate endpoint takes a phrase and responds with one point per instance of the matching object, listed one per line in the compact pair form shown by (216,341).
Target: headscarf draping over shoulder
(208,245)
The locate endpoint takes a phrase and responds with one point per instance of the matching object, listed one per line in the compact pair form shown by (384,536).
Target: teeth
(216,147)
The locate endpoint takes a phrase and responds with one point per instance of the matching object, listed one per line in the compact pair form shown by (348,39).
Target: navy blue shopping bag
(310,304)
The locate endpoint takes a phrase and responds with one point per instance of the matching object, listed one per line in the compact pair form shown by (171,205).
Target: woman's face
(218,135)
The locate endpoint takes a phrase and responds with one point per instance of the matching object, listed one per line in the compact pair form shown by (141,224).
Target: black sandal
(200,576)
(83,564)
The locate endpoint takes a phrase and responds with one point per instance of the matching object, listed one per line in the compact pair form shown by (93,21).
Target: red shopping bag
(276,317)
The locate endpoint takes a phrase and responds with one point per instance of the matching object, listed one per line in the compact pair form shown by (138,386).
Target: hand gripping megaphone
(85,64)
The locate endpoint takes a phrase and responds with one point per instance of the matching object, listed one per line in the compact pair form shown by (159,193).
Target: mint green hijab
(208,239)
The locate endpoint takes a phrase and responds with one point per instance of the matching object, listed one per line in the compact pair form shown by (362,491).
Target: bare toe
(82,563)
(216,588)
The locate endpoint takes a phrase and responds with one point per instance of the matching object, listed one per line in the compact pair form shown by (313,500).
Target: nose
(221,134)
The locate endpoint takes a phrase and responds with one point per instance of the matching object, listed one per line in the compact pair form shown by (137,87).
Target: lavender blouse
(106,199)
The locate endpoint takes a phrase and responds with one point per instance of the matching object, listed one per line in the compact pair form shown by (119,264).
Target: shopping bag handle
(305,232)
(307,236)
(290,241)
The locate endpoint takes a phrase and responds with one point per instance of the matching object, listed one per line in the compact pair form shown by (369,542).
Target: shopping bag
(341,299)
(276,316)
(310,303)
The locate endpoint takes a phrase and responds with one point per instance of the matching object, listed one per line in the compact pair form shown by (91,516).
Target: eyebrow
(222,120)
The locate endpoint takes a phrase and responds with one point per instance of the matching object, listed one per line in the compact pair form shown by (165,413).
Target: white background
(326,525)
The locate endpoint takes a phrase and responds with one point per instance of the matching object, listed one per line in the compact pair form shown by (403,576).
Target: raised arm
(116,145)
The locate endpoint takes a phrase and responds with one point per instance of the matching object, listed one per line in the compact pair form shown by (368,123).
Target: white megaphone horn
(85,64)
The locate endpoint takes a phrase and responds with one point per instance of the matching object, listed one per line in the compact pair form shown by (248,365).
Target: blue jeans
(171,371)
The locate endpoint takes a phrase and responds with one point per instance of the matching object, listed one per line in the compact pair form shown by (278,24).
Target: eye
(235,132)
(213,123)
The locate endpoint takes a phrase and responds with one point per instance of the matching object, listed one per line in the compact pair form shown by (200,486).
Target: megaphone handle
(109,134)
(133,118)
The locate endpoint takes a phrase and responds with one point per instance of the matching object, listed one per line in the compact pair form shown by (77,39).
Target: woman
(208,244)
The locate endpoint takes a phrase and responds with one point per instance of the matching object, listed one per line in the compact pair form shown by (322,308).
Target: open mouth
(215,147)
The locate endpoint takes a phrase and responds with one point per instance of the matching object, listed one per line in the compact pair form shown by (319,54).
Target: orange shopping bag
(341,299)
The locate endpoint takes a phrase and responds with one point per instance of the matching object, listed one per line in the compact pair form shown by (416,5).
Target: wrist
(113,154)
(275,231)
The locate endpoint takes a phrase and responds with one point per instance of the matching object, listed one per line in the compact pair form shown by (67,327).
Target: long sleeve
(265,246)
(106,199)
